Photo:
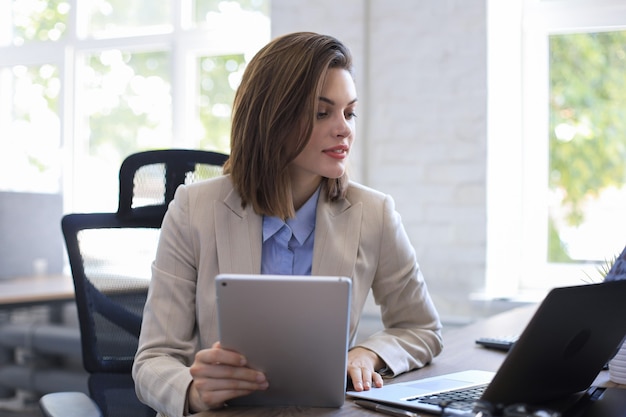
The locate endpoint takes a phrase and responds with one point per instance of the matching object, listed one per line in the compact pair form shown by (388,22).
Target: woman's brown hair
(273,115)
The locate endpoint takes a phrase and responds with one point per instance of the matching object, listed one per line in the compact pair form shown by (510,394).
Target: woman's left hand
(361,369)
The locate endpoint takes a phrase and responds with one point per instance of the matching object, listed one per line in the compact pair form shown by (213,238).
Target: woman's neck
(301,190)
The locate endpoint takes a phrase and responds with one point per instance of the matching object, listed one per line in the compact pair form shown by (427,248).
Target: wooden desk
(36,290)
(460,353)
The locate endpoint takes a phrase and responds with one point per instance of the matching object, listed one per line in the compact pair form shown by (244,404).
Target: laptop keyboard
(465,394)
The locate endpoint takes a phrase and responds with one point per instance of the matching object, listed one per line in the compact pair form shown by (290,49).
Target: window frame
(181,38)
(518,156)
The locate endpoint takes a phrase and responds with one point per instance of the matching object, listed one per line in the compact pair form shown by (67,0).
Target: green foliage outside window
(39,20)
(587,121)
(123,16)
(117,86)
(128,95)
(218,79)
(202,7)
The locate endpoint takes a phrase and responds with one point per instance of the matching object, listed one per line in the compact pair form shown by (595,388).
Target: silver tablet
(293,328)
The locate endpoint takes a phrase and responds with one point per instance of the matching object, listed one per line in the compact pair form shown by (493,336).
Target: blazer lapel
(337,232)
(238,236)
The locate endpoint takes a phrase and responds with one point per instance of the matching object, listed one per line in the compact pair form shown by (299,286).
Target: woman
(284,206)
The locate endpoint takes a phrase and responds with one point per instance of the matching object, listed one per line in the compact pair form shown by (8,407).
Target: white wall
(31,242)
(421,71)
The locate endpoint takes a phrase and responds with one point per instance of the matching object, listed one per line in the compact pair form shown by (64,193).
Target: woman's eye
(350,115)
(321,115)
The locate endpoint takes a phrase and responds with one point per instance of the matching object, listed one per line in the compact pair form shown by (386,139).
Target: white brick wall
(421,76)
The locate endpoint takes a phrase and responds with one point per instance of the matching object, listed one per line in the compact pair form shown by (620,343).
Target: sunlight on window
(594,239)
(124,94)
(125,105)
(31,146)
(240,13)
(39,20)
(85,83)
(587,148)
(115,18)
(219,77)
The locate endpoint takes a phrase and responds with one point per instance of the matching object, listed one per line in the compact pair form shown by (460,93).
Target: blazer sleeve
(168,338)
(412,330)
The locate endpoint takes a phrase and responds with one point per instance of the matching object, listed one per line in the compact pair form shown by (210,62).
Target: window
(558,158)
(587,146)
(85,83)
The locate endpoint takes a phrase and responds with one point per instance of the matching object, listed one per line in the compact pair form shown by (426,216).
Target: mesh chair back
(110,260)
(149,179)
(111,254)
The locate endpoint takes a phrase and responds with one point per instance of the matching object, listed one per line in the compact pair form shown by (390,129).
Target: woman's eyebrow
(332,103)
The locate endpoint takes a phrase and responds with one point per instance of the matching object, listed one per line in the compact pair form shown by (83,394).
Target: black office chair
(148,180)
(110,256)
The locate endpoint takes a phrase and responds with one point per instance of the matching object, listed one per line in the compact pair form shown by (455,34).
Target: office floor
(19,407)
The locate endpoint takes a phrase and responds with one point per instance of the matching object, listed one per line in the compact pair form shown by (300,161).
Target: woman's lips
(337,152)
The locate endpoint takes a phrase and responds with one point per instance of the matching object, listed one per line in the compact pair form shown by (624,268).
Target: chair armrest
(68,404)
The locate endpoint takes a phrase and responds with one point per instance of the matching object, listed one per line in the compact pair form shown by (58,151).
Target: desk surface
(28,291)
(460,353)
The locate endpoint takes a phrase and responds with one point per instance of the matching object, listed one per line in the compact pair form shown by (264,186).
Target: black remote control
(501,342)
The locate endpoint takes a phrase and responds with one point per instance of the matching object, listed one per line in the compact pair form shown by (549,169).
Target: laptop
(293,328)
(573,333)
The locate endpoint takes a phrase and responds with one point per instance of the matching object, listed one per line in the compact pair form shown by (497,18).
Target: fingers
(213,393)
(219,369)
(220,375)
(217,355)
(361,365)
(227,368)
(223,376)
(201,399)
(363,378)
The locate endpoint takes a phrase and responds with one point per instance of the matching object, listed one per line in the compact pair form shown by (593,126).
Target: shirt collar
(301,226)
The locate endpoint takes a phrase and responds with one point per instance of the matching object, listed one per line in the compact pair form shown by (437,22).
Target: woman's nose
(343,126)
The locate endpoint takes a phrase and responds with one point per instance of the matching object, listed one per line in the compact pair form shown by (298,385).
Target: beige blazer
(206,232)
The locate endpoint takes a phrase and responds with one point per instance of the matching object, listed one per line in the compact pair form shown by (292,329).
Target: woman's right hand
(220,375)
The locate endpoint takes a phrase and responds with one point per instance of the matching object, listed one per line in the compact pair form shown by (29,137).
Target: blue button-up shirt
(288,246)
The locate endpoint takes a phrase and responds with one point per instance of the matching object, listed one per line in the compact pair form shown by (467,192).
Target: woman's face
(326,154)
